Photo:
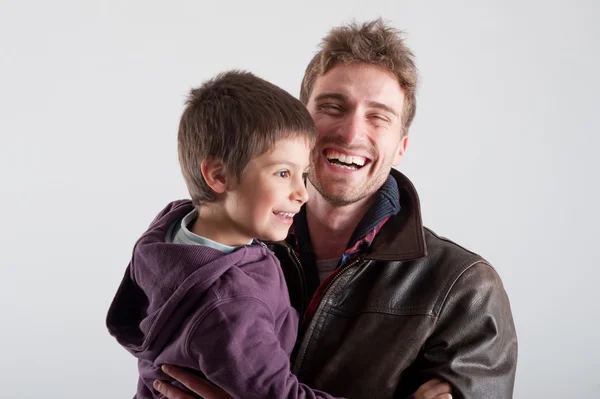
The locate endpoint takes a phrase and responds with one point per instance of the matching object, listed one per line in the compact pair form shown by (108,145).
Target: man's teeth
(351,167)
(347,159)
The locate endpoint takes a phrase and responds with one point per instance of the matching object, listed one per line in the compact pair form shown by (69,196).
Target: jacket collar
(401,237)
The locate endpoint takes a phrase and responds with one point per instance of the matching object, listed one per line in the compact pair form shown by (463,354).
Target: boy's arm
(236,347)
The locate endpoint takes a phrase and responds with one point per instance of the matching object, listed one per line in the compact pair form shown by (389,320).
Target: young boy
(200,292)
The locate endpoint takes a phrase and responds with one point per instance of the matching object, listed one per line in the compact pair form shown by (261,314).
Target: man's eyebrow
(332,96)
(344,98)
(375,104)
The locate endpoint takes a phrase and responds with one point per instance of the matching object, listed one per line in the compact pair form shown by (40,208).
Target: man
(387,304)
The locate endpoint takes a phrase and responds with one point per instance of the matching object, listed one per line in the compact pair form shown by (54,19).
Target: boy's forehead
(293,151)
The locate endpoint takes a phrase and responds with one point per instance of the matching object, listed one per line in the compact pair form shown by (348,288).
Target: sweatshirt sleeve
(236,347)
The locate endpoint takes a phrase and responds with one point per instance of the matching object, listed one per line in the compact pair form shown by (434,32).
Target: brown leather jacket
(412,307)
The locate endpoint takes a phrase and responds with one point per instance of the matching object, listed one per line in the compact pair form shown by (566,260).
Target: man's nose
(353,127)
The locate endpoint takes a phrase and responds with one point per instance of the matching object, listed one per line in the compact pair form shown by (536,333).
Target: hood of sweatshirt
(165,282)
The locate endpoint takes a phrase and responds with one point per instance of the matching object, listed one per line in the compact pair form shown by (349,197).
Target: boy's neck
(212,223)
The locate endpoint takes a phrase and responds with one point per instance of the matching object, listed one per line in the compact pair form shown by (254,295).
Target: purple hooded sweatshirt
(227,316)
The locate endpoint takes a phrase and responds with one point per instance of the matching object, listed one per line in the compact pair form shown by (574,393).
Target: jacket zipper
(338,275)
(302,278)
(305,339)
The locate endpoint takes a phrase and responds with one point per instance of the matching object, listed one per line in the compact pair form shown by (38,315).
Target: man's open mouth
(352,162)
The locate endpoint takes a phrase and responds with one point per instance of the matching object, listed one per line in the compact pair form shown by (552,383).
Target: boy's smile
(271,190)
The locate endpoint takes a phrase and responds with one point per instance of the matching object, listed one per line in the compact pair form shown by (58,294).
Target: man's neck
(331,226)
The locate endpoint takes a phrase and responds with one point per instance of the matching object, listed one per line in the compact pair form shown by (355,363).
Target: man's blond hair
(374,43)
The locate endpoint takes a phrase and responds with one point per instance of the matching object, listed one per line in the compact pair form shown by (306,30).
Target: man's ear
(401,150)
(215,175)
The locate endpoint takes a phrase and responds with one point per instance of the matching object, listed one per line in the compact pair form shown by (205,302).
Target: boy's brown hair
(235,117)
(372,43)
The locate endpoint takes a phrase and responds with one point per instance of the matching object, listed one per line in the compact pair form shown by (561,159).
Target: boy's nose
(300,194)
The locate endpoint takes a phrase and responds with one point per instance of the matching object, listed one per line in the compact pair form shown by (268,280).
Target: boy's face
(270,192)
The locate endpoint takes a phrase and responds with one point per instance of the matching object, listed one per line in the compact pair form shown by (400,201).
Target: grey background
(502,151)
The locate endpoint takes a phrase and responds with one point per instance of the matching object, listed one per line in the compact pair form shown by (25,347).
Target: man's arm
(474,345)
(432,389)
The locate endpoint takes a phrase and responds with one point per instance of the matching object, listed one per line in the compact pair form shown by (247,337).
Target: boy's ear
(215,175)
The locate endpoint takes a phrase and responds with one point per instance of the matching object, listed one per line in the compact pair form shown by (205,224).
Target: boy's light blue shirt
(180,234)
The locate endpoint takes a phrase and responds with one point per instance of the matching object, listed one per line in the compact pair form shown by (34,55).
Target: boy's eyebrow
(288,163)
(283,162)
(343,98)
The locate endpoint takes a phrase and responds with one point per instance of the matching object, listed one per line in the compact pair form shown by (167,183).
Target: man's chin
(338,197)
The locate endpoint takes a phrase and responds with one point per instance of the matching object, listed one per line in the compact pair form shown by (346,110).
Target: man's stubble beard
(341,199)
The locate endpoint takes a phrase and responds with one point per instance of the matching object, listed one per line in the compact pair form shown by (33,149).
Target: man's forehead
(346,99)
(359,84)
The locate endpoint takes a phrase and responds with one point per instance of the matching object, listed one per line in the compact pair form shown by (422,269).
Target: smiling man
(387,304)
(354,109)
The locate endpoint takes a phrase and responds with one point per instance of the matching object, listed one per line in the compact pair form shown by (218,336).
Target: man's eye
(330,108)
(283,174)
(379,117)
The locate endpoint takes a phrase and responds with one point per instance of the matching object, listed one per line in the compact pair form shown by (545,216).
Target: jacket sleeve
(474,344)
(236,347)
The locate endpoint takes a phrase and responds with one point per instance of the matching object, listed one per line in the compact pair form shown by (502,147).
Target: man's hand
(432,389)
(194,383)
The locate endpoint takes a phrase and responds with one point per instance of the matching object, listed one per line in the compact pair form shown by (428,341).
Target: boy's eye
(283,174)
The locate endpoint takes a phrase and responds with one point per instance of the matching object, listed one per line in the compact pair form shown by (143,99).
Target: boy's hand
(192,382)
(431,389)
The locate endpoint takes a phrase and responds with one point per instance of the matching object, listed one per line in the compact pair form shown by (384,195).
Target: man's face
(357,110)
